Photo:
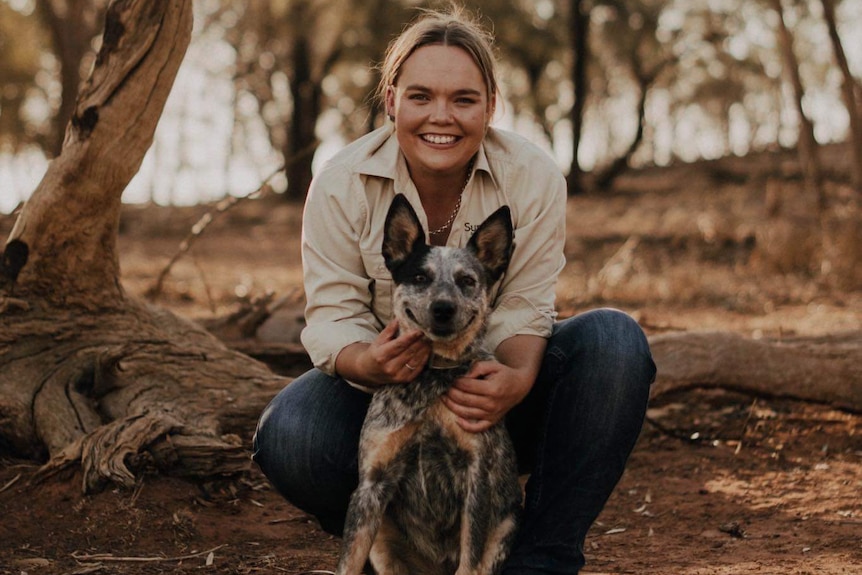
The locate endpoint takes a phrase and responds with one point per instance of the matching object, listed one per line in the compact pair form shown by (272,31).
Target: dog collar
(440,362)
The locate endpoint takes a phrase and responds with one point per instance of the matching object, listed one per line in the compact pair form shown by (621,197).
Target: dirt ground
(719,482)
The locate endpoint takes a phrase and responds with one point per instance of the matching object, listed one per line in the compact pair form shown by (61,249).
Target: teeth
(439,139)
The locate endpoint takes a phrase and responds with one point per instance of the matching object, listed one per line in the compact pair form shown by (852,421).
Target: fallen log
(825,369)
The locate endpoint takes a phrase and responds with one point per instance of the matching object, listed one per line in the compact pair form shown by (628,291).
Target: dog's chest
(410,427)
(422,445)
(398,405)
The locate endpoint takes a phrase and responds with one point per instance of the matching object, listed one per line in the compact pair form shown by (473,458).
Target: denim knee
(605,342)
(575,432)
(306,444)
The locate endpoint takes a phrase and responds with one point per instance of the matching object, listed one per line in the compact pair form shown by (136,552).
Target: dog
(432,498)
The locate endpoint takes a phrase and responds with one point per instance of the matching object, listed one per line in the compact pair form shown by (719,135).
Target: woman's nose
(441,111)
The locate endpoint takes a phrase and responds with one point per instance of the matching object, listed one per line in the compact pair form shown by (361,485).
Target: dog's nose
(443,311)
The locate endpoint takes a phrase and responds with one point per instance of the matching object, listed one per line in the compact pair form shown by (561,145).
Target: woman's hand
(490,389)
(392,357)
(486,393)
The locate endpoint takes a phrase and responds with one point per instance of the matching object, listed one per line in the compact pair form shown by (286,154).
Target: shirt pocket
(380,285)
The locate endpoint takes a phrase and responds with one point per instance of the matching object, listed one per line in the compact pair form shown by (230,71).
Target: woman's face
(441,109)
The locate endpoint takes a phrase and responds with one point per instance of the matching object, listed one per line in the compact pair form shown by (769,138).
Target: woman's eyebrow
(459,92)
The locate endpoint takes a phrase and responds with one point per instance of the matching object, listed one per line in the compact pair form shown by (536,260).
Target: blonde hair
(451,28)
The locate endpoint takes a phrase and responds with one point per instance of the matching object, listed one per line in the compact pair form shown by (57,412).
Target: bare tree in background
(579,27)
(806,147)
(73,25)
(850,93)
(302,42)
(633,37)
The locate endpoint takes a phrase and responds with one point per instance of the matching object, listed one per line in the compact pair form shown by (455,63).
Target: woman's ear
(390,102)
(492,108)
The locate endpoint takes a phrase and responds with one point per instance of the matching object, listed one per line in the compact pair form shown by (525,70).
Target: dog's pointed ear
(493,243)
(402,233)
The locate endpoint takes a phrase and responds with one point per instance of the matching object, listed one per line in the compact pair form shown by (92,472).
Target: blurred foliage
(297,58)
(26,71)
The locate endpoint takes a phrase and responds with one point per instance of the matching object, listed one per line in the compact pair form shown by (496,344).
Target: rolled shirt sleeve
(535,190)
(338,310)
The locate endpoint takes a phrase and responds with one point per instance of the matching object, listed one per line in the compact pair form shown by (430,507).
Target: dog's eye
(466,282)
(421,279)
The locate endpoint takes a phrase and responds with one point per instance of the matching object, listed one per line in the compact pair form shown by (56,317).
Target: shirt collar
(384,156)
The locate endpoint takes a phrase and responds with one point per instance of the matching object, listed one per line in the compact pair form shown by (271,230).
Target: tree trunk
(848,90)
(606,178)
(579,27)
(825,369)
(301,141)
(806,147)
(87,374)
(645,82)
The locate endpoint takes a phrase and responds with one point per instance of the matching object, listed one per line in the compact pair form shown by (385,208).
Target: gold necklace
(454,213)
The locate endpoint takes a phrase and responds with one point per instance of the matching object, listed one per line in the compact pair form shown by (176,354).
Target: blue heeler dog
(434,499)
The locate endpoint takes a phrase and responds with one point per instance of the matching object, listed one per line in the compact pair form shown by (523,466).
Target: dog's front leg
(382,465)
(367,505)
(485,536)
(490,515)
(474,521)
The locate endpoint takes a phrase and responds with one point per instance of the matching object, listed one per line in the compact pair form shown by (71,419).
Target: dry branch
(154,291)
(202,224)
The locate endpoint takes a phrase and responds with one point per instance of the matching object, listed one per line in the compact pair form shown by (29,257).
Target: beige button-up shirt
(347,285)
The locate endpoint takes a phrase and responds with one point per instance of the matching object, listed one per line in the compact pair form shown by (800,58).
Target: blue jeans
(573,434)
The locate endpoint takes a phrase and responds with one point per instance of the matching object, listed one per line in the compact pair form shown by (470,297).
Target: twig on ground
(745,426)
(207,289)
(10,483)
(139,486)
(695,438)
(109,557)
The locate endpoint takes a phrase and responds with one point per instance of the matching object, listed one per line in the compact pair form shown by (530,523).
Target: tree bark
(88,374)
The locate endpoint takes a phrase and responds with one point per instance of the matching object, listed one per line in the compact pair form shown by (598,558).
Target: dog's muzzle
(443,312)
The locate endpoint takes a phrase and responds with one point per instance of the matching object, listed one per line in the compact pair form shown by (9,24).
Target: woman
(573,393)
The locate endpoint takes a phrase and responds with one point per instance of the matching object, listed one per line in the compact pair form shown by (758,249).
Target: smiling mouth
(439,139)
(438,332)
